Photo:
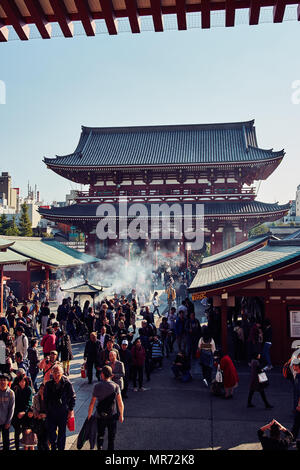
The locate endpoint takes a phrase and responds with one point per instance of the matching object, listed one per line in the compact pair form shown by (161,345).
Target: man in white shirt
(103,337)
(21,342)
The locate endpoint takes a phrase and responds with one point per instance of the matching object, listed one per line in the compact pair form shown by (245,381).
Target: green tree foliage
(24,222)
(12,229)
(4,224)
(258,230)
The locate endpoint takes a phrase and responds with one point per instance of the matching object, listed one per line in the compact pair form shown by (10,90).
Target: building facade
(214,165)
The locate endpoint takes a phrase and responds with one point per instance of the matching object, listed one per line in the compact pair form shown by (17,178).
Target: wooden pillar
(2,290)
(47,277)
(224,340)
(28,284)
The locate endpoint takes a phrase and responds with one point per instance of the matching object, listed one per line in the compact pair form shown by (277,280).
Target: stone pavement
(176,416)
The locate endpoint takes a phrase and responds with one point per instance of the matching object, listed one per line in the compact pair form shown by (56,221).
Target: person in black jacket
(91,353)
(267,336)
(23,403)
(125,357)
(275,441)
(59,397)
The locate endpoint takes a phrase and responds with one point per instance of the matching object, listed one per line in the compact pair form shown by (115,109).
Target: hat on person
(21,372)
(124,341)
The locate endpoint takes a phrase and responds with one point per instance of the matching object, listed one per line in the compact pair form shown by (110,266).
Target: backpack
(106,408)
(286,371)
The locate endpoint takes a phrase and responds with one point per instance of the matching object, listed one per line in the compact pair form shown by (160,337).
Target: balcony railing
(205,193)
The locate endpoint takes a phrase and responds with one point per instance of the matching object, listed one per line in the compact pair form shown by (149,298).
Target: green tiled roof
(5,243)
(268,258)
(49,252)
(9,257)
(235,250)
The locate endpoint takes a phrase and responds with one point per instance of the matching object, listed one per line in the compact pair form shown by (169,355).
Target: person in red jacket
(230,375)
(138,355)
(48,342)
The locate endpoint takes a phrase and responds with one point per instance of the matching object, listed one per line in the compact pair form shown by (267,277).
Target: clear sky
(196,76)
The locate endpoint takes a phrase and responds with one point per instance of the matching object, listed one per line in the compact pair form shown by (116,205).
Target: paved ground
(175,416)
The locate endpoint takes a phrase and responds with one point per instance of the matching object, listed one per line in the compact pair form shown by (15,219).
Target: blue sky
(197,76)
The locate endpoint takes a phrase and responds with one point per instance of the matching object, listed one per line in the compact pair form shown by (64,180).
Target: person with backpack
(109,409)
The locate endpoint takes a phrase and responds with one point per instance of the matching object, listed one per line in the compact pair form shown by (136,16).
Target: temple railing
(171,194)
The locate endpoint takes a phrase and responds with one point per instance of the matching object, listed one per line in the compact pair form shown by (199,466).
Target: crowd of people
(125,342)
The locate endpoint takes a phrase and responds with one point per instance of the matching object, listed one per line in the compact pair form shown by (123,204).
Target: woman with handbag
(257,382)
(205,352)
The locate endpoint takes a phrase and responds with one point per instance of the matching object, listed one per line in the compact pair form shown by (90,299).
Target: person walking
(7,407)
(180,331)
(62,314)
(44,316)
(48,342)
(267,344)
(34,360)
(47,364)
(23,403)
(35,313)
(126,358)
(110,408)
(60,397)
(255,385)
(206,349)
(21,342)
(39,413)
(155,304)
(65,350)
(117,368)
(193,332)
(90,355)
(138,355)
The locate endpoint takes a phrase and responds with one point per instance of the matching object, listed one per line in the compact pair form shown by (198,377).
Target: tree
(12,229)
(24,222)
(258,230)
(4,224)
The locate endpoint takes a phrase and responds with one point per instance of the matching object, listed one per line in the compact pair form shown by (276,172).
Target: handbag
(219,375)
(83,370)
(71,423)
(263,379)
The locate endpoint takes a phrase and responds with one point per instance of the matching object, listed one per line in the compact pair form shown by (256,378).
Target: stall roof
(84,289)
(275,255)
(250,244)
(49,252)
(9,257)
